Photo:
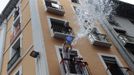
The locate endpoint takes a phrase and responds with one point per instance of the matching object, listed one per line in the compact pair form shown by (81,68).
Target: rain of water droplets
(91,11)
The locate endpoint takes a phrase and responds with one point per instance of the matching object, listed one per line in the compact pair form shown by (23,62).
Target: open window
(16,12)
(16,29)
(128,42)
(54,7)
(120,30)
(60,29)
(99,39)
(71,63)
(14,54)
(75,1)
(112,65)
(19,71)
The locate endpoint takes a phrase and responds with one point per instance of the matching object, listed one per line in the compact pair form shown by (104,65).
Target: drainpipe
(118,44)
(3,44)
(38,39)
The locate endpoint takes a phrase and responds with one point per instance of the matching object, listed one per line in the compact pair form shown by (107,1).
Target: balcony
(72,64)
(54,7)
(13,60)
(60,29)
(128,42)
(99,39)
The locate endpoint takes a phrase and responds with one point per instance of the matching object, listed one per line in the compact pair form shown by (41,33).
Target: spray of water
(91,11)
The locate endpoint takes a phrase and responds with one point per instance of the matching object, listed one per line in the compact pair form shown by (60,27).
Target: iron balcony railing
(54,7)
(60,28)
(126,38)
(72,64)
(60,31)
(99,39)
(12,61)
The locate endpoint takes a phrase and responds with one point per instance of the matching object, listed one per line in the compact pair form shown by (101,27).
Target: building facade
(34,42)
(121,31)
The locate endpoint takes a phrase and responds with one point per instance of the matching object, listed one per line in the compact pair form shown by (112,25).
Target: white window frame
(20,14)
(117,59)
(49,23)
(10,52)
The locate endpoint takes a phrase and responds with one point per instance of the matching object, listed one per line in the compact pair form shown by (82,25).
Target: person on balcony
(67,46)
(67,29)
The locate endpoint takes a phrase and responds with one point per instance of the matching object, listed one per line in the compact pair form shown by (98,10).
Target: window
(15,48)
(98,39)
(71,62)
(112,65)
(16,12)
(120,30)
(54,7)
(16,27)
(60,28)
(75,1)
(16,30)
(128,42)
(14,54)
(19,71)
(16,21)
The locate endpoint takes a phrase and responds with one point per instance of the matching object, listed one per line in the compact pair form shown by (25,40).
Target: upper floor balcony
(54,7)
(72,64)
(99,39)
(60,29)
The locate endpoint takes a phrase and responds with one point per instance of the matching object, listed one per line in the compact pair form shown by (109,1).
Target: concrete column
(38,39)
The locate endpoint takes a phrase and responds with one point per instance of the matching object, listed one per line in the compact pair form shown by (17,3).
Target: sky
(3,4)
(128,1)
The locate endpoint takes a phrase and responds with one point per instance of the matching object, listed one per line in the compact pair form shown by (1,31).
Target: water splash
(89,12)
